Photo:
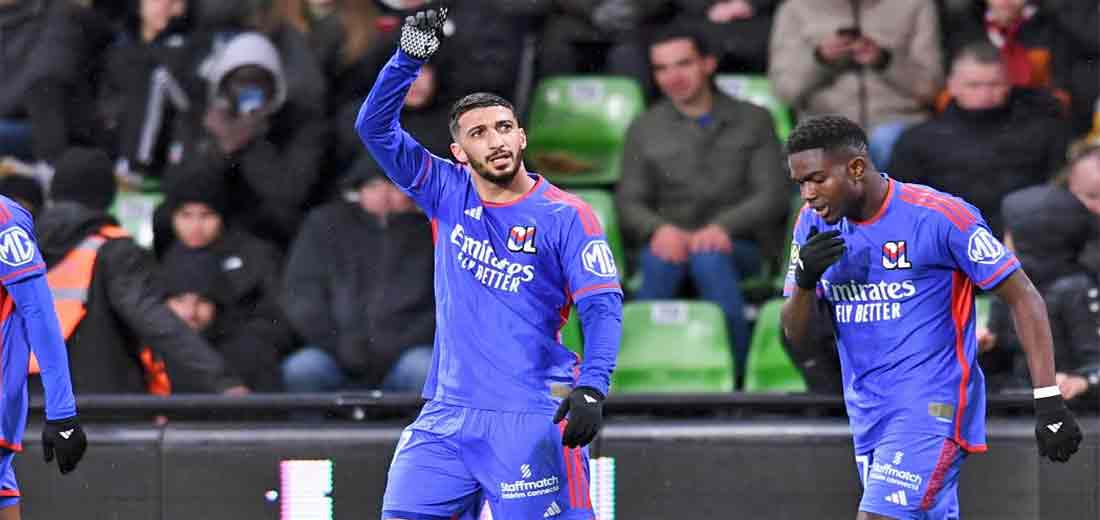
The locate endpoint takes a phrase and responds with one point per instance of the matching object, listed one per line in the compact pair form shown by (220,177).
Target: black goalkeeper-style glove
(815,256)
(585,408)
(66,438)
(420,34)
(1055,429)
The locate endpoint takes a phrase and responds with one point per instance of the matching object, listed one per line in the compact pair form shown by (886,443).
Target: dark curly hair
(473,101)
(830,133)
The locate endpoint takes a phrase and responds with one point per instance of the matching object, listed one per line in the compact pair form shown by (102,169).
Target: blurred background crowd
(193,162)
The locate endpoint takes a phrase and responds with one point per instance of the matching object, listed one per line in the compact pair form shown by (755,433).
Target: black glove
(1055,429)
(585,408)
(819,252)
(67,439)
(420,34)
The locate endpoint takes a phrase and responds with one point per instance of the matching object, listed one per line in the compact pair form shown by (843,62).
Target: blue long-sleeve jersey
(506,275)
(27,321)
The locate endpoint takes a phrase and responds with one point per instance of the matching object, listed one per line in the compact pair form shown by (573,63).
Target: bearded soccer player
(29,323)
(513,253)
(897,266)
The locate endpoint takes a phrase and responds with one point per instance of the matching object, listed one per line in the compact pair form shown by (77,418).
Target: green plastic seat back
(673,346)
(134,212)
(577,127)
(769,368)
(758,91)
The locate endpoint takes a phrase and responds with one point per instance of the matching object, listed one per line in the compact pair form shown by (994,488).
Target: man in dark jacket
(359,289)
(50,54)
(992,138)
(251,270)
(1055,231)
(123,308)
(196,290)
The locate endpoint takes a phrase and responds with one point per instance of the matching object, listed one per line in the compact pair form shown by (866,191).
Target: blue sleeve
(585,255)
(34,303)
(404,160)
(602,323)
(973,249)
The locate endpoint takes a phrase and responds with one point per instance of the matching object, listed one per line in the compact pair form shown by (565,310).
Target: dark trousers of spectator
(717,278)
(15,138)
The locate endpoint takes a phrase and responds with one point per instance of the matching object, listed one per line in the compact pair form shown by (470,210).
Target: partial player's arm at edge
(602,322)
(35,303)
(798,316)
(401,157)
(1029,313)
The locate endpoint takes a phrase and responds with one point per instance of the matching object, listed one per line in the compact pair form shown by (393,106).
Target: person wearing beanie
(195,289)
(87,253)
(365,307)
(197,213)
(249,133)
(26,191)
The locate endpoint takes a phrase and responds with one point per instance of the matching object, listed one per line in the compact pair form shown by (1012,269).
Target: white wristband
(1046,391)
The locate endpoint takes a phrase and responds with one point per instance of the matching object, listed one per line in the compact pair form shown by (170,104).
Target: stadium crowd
(281,259)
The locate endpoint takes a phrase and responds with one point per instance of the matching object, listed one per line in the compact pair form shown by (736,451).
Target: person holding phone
(876,62)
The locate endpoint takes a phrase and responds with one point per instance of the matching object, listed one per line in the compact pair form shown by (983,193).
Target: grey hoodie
(248,48)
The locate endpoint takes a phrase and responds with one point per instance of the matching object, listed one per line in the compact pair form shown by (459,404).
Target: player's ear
(857,166)
(459,153)
(522,138)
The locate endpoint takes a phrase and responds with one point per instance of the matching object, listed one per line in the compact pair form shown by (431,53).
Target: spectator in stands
(266,148)
(146,78)
(26,191)
(491,48)
(1035,39)
(49,57)
(737,30)
(251,268)
(702,183)
(105,293)
(991,139)
(599,36)
(424,109)
(198,291)
(365,304)
(1055,231)
(876,62)
(1078,20)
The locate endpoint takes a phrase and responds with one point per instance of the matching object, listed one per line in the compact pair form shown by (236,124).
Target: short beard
(503,179)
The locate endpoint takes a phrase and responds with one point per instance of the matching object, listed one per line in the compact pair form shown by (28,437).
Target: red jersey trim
(588,218)
(590,288)
(962,305)
(984,284)
(882,209)
(23,271)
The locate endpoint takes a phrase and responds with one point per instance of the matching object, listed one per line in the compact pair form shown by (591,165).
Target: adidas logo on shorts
(897,497)
(553,510)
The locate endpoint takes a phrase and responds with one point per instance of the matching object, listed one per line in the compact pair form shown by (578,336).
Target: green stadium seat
(983,304)
(134,211)
(603,204)
(578,125)
(769,368)
(758,91)
(673,346)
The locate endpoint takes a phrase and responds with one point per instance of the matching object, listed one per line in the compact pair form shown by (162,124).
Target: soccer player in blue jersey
(897,266)
(513,254)
(28,322)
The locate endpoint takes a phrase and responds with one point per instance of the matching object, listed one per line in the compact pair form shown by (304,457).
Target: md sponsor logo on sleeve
(16,247)
(984,248)
(598,260)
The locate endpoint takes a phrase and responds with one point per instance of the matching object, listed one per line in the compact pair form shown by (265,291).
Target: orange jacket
(69,282)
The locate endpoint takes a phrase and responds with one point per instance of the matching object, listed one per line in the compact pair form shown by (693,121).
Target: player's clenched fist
(420,34)
(1055,429)
(585,408)
(819,252)
(66,439)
